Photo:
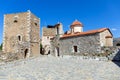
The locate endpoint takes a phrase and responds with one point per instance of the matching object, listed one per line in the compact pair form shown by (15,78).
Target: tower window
(26,52)
(15,21)
(57,30)
(19,38)
(75,48)
(36,24)
(48,37)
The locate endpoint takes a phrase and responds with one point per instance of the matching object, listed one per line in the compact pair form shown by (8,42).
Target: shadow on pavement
(116,59)
(117,63)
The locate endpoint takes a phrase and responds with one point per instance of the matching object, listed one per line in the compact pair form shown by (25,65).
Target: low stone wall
(113,53)
(87,57)
(109,53)
(115,56)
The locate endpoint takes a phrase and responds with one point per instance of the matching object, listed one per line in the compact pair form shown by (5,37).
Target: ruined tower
(21,34)
(50,32)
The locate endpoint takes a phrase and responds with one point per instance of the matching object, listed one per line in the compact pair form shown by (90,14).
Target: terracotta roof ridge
(76,22)
(85,33)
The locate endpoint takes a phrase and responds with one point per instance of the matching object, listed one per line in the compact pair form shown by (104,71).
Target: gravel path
(51,68)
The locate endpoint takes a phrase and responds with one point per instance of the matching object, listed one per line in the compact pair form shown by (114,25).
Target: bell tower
(76,26)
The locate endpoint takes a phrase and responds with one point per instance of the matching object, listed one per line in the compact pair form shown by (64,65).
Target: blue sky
(93,14)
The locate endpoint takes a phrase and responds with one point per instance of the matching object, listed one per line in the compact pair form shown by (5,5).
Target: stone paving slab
(51,68)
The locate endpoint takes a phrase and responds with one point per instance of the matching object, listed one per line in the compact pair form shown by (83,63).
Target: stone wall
(34,35)
(48,34)
(87,44)
(106,41)
(14,29)
(21,34)
(49,31)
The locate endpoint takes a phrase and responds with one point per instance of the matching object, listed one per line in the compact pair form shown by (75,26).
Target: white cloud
(114,29)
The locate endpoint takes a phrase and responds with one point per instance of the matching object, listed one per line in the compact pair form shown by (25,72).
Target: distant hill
(117,38)
(116,41)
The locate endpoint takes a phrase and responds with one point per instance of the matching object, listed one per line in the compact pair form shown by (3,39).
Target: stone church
(77,42)
(21,34)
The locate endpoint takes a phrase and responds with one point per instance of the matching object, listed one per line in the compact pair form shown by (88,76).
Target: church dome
(76,23)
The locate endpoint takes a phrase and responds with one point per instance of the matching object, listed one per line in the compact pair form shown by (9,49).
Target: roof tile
(84,33)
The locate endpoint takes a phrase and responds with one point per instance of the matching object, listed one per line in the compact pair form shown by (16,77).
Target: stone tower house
(21,34)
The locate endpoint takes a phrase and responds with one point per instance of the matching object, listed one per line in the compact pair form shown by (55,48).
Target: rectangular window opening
(75,48)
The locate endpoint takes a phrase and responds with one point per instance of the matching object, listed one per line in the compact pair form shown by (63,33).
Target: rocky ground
(52,68)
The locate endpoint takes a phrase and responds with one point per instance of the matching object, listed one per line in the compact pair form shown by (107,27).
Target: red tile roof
(75,23)
(84,33)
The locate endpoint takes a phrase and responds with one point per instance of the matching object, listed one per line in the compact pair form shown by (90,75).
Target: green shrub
(41,46)
(1,46)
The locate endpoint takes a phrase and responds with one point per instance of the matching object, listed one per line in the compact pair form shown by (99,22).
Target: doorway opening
(57,51)
(26,52)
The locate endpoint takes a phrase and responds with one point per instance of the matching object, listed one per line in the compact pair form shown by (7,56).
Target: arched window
(47,37)
(15,18)
(25,53)
(15,21)
(19,38)
(35,24)
(57,30)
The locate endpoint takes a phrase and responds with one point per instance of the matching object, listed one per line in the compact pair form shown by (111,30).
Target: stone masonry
(21,34)
(48,33)
(77,42)
(85,44)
